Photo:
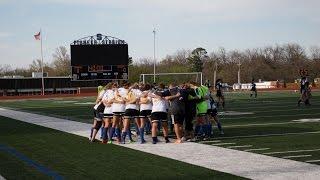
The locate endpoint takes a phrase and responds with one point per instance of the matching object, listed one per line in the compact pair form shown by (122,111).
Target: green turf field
(270,126)
(73,157)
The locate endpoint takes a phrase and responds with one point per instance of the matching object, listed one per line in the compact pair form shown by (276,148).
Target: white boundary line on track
(297,156)
(249,165)
(285,152)
(258,149)
(241,146)
(265,124)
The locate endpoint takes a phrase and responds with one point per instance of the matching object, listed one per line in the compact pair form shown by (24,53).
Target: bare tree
(61,61)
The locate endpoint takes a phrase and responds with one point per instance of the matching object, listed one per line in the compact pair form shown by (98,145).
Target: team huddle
(189,107)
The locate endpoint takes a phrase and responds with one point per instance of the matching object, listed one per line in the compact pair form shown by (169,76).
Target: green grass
(269,107)
(73,157)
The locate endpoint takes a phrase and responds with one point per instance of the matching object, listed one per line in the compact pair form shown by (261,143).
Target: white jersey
(108,96)
(119,107)
(147,106)
(134,93)
(158,104)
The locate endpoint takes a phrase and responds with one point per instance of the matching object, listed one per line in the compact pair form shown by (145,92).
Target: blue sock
(137,129)
(129,134)
(91,132)
(202,129)
(123,137)
(209,128)
(111,133)
(105,134)
(118,133)
(197,130)
(219,126)
(101,132)
(142,134)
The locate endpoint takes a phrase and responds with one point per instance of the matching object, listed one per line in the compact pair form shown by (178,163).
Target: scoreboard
(100,72)
(99,58)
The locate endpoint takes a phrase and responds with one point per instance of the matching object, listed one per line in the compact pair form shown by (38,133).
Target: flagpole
(42,78)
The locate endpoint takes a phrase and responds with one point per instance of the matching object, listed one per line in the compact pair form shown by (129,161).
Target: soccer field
(32,152)
(272,124)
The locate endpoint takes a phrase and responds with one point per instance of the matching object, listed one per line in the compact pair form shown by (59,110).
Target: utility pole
(154,55)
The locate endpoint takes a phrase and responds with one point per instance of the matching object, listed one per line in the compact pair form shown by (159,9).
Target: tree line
(278,62)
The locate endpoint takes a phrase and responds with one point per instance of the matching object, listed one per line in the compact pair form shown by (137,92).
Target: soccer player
(131,111)
(107,114)
(253,89)
(305,91)
(212,113)
(177,110)
(145,110)
(219,94)
(118,108)
(98,116)
(202,108)
(190,108)
(159,114)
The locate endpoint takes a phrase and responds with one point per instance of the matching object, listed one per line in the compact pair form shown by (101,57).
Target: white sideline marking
(65,101)
(261,124)
(267,135)
(282,115)
(205,142)
(234,113)
(307,120)
(89,103)
(297,156)
(318,160)
(258,149)
(2,178)
(285,152)
(249,165)
(221,144)
(239,146)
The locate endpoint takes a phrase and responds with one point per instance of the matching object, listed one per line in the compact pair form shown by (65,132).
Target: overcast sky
(180,24)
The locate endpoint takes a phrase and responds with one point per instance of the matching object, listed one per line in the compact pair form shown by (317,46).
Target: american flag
(37,36)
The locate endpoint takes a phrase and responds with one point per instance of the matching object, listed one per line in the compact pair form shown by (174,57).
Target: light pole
(239,72)
(154,55)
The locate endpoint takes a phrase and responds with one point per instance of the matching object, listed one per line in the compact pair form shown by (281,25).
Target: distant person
(305,91)
(253,89)
(219,93)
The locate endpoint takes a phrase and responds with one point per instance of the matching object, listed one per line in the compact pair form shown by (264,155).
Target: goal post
(173,77)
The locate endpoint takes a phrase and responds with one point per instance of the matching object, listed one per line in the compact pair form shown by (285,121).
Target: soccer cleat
(221,133)
(109,142)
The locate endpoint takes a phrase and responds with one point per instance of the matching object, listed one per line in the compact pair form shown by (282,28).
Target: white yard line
(261,124)
(285,152)
(263,116)
(267,135)
(239,146)
(222,144)
(240,163)
(206,142)
(317,160)
(297,156)
(258,149)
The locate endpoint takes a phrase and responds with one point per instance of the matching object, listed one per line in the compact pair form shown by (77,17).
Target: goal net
(167,78)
